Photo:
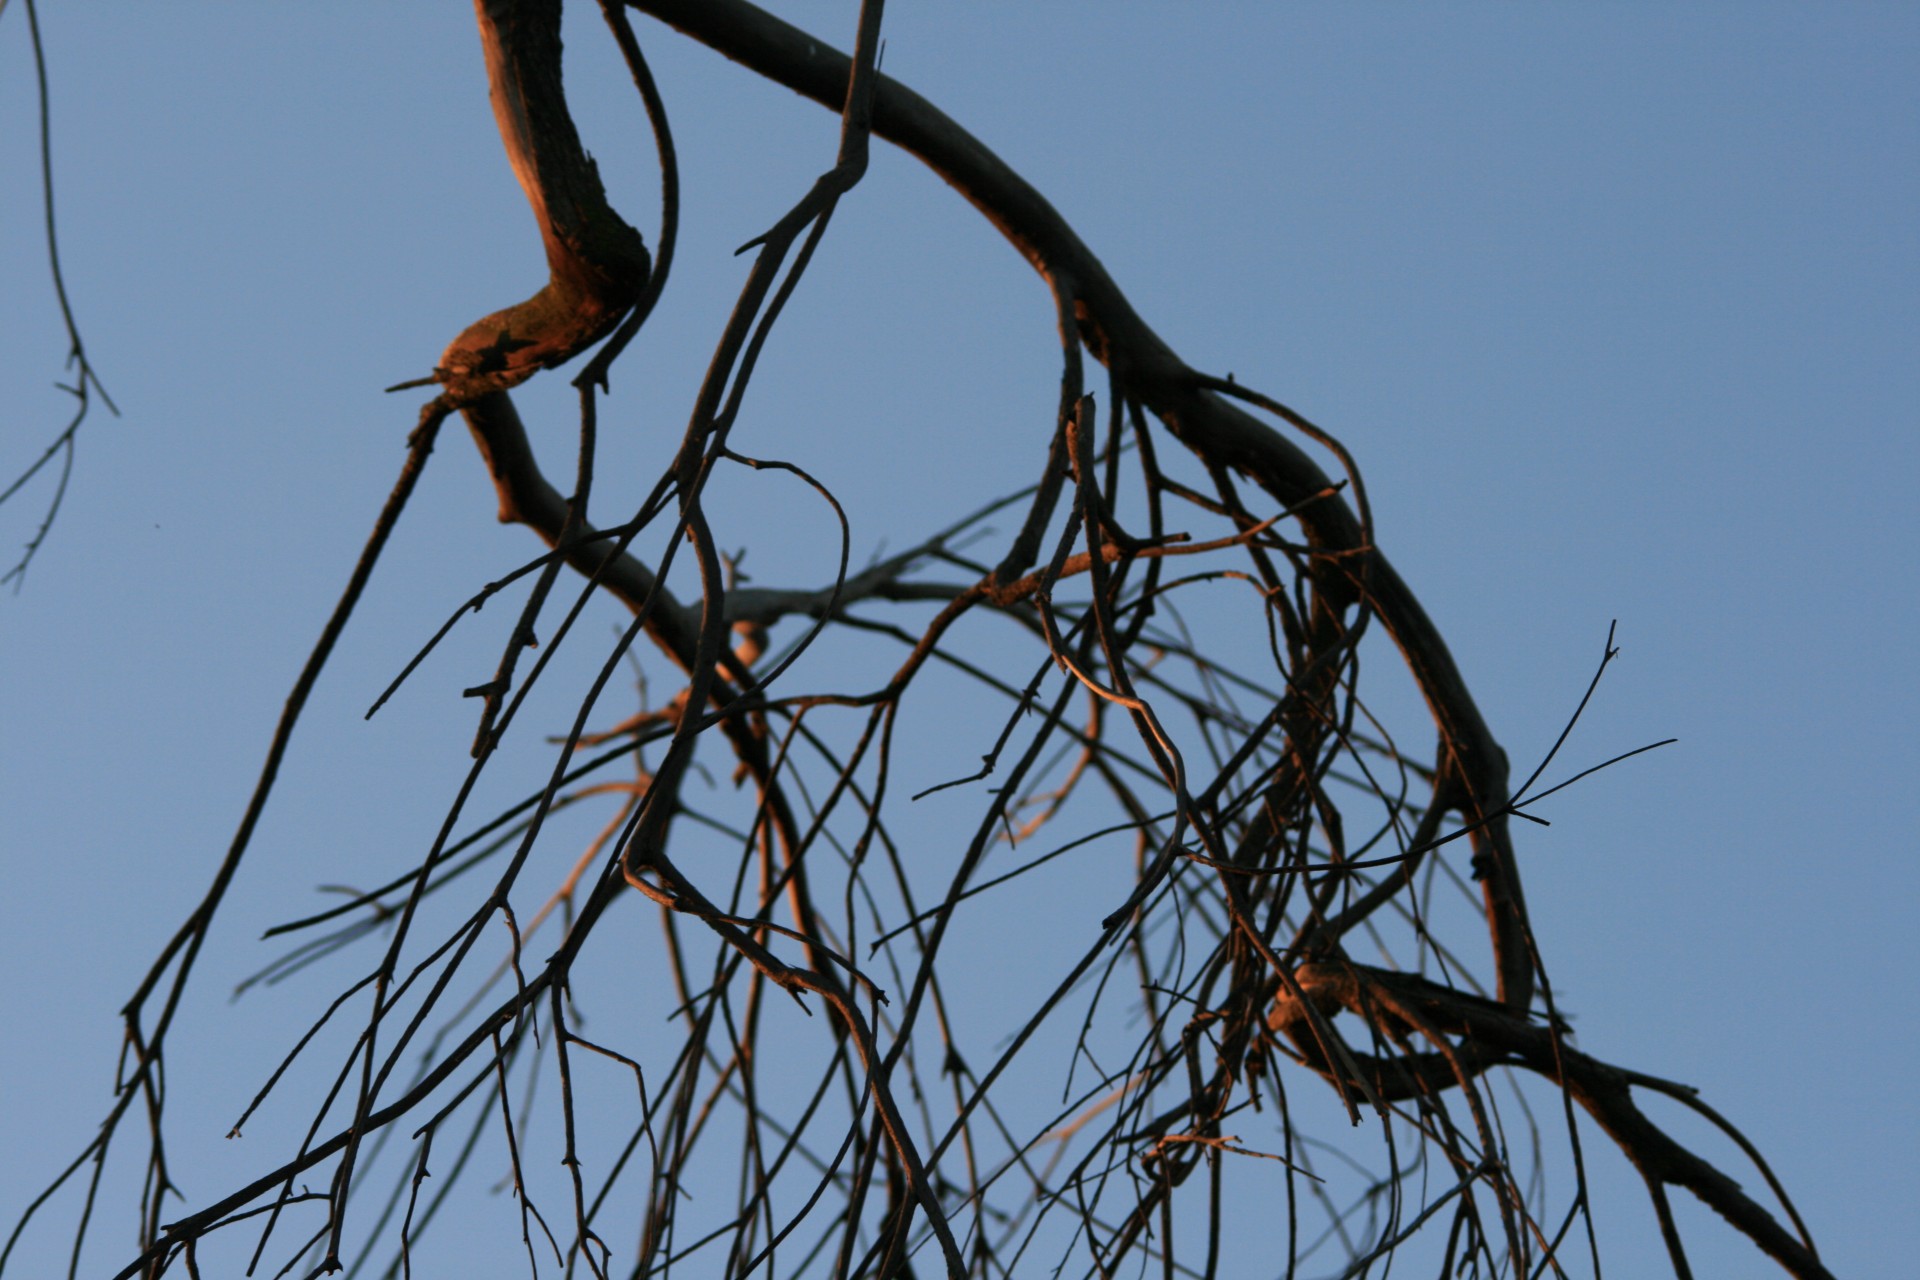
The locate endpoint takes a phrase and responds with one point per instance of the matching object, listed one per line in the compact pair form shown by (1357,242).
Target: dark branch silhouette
(1260,873)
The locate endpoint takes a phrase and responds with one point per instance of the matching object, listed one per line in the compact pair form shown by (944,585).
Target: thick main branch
(597,264)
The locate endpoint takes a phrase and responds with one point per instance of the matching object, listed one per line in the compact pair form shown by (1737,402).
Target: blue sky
(1615,304)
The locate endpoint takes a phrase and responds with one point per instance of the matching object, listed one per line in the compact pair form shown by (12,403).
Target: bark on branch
(598,264)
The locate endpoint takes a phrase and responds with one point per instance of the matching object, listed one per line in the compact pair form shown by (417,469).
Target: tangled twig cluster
(1165,664)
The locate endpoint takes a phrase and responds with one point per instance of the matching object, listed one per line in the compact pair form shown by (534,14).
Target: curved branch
(1490,1035)
(1216,430)
(598,265)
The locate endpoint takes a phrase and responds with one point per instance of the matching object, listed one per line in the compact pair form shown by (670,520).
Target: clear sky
(1618,306)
